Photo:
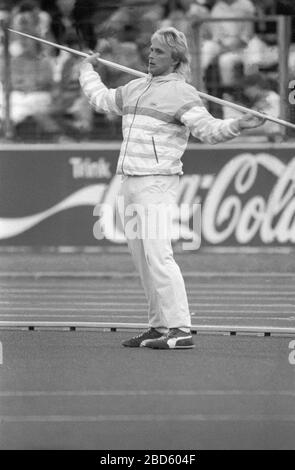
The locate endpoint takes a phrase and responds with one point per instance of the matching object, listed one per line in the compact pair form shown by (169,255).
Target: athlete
(158,114)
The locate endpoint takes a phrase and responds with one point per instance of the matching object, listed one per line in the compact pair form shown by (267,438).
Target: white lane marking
(198,292)
(73,315)
(144,418)
(115,274)
(13,304)
(27,304)
(214,307)
(206,284)
(172,393)
(99,284)
(197,288)
(286,330)
(65,309)
(108,315)
(144,310)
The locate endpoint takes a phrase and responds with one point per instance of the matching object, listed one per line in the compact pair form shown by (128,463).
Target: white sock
(163,331)
(185,330)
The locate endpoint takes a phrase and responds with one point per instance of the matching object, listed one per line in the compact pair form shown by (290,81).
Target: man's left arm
(210,130)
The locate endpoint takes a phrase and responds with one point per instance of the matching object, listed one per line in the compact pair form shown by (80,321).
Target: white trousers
(144,199)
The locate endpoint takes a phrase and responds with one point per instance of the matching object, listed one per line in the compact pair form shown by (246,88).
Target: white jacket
(158,115)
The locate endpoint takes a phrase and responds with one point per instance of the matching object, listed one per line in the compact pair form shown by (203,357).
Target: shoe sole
(171,349)
(143,343)
(172,343)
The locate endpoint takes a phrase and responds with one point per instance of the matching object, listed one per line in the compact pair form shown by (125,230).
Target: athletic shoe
(175,339)
(136,341)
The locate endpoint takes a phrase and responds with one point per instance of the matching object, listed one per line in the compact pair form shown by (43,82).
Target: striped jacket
(158,115)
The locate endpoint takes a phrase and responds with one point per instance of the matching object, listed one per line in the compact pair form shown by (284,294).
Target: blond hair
(177,42)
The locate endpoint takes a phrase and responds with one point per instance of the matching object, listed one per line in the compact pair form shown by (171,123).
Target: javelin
(137,73)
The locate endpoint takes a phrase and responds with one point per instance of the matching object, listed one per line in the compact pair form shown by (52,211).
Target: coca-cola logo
(271,216)
(251,196)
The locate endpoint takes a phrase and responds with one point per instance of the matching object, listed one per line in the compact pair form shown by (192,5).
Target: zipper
(136,105)
(155,151)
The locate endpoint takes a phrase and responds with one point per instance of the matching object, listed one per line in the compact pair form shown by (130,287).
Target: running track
(231,299)
(82,390)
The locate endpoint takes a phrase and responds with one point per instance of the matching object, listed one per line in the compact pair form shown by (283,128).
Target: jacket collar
(165,78)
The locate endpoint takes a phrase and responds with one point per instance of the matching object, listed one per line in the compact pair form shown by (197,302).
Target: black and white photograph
(147,229)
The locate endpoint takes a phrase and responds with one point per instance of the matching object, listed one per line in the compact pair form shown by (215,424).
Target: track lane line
(8,296)
(13,305)
(119,275)
(208,309)
(145,418)
(172,393)
(193,314)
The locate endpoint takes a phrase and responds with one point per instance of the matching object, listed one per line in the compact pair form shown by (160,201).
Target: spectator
(266,7)
(199,8)
(4,21)
(87,14)
(182,16)
(66,8)
(262,51)
(228,39)
(122,52)
(285,7)
(258,94)
(5,8)
(29,18)
(208,3)
(31,83)
(61,12)
(143,17)
(69,115)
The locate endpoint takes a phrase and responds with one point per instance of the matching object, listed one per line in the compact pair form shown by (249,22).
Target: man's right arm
(102,99)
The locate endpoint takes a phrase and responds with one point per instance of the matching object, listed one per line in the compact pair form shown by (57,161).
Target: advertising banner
(48,194)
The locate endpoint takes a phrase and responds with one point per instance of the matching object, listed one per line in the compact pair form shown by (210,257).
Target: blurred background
(241,50)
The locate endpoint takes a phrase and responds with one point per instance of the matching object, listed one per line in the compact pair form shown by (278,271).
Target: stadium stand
(231,52)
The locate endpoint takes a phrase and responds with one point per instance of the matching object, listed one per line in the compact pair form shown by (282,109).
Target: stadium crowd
(46,100)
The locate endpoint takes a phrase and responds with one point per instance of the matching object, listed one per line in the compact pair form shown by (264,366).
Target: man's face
(160,59)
